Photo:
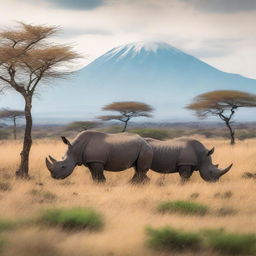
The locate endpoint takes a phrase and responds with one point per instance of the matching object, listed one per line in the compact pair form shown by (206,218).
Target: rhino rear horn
(210,152)
(222,172)
(65,140)
(49,165)
(52,159)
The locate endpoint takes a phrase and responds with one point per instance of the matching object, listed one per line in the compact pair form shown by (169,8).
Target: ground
(126,209)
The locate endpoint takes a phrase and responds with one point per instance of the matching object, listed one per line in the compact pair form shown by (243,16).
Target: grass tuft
(231,243)
(184,207)
(219,241)
(194,195)
(167,238)
(7,225)
(225,211)
(73,219)
(5,186)
(249,175)
(43,196)
(49,196)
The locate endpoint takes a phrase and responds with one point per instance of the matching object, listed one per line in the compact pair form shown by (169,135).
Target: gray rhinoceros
(184,156)
(101,151)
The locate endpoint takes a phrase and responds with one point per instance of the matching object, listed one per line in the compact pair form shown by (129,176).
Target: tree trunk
(125,126)
(22,172)
(232,133)
(14,128)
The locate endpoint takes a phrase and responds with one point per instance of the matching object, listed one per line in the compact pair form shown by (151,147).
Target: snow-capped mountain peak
(152,72)
(135,48)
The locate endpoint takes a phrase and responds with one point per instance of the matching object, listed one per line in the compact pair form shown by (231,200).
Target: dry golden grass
(127,209)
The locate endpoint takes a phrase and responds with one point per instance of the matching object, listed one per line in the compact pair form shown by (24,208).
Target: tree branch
(5,80)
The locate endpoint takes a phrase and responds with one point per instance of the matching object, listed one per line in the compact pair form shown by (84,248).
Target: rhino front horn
(222,172)
(52,159)
(49,165)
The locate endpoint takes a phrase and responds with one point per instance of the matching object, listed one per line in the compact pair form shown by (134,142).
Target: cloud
(71,32)
(214,48)
(223,6)
(77,4)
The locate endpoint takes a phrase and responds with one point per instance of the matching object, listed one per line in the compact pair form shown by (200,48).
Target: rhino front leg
(97,170)
(185,172)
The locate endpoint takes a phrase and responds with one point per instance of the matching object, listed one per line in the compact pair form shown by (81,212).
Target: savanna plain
(126,209)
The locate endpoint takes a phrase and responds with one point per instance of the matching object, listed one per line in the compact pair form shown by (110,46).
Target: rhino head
(209,171)
(62,169)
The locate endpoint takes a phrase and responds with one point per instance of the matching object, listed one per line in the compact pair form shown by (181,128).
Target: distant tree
(12,115)
(127,110)
(222,104)
(82,125)
(26,58)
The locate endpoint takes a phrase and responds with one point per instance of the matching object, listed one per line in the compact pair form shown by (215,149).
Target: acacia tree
(82,125)
(27,58)
(222,104)
(127,110)
(12,115)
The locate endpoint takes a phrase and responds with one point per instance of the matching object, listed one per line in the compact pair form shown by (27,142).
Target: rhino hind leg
(185,172)
(142,166)
(139,178)
(97,170)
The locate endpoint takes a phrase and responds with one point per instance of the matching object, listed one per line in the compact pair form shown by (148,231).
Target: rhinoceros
(184,156)
(101,151)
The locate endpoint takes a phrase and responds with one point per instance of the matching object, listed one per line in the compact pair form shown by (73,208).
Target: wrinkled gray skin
(184,156)
(101,151)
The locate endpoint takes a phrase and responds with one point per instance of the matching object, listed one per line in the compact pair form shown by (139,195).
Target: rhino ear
(66,141)
(210,152)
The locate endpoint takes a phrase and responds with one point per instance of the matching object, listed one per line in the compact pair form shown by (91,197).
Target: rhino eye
(62,167)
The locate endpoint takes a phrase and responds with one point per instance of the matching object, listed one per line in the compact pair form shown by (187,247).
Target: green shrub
(230,243)
(74,218)
(220,241)
(184,207)
(151,133)
(7,224)
(167,238)
(1,245)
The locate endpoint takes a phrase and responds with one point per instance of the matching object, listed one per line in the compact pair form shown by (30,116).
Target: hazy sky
(220,32)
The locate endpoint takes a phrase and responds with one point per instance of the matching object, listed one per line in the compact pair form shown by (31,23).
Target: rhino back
(170,154)
(165,156)
(116,151)
(123,151)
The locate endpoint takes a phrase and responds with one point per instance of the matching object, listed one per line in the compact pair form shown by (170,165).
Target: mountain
(153,72)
